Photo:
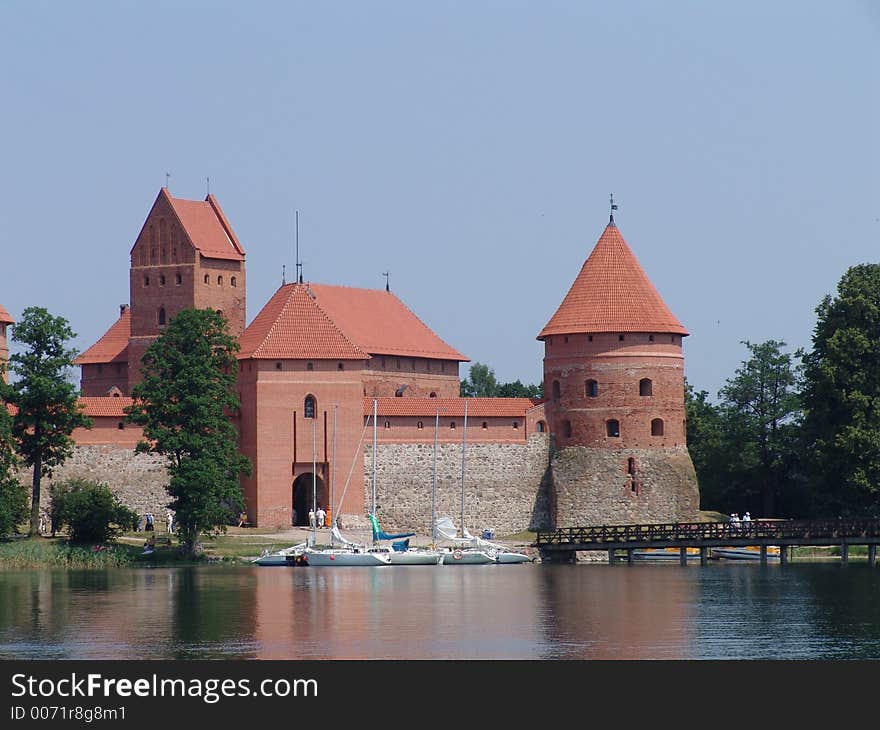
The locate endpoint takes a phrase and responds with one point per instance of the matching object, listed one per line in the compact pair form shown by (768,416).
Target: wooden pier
(561,545)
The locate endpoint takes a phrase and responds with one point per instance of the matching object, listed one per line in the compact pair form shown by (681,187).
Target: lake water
(583,611)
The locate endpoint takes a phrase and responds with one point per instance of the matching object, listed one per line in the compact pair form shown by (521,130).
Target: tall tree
(706,446)
(480,383)
(46,403)
(761,410)
(13,496)
(842,398)
(184,403)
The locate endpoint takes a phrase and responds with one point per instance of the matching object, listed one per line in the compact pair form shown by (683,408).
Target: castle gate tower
(614,384)
(5,321)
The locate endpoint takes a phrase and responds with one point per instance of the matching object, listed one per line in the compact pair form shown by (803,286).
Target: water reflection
(801,611)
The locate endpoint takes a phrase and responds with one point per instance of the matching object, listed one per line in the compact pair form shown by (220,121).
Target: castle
(605,446)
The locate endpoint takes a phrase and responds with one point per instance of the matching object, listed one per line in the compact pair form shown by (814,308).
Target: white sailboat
(400,552)
(467,549)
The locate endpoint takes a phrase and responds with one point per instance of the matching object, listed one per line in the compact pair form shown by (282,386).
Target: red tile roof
(113,345)
(292,325)
(206,226)
(612,293)
(427,407)
(380,323)
(98,406)
(4,316)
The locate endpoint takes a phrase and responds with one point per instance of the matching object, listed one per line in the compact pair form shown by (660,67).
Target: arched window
(233,281)
(452,424)
(420,425)
(540,426)
(178,279)
(161,316)
(556,390)
(387,424)
(485,425)
(432,394)
(278,366)
(657,427)
(219,281)
(161,279)
(592,389)
(646,387)
(207,279)
(310,366)
(340,366)
(566,429)
(309,407)
(630,465)
(121,425)
(612,428)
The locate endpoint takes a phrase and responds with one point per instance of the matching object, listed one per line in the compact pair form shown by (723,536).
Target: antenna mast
(386,274)
(299,273)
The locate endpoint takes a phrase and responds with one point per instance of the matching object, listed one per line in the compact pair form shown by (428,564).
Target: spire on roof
(386,274)
(613,208)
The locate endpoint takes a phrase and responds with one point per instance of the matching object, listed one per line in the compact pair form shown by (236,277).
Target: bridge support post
(704,555)
(682,556)
(630,555)
(763,555)
(844,553)
(872,555)
(611,556)
(783,554)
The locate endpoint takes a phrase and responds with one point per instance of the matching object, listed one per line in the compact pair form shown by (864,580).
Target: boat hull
(511,558)
(751,552)
(467,557)
(344,558)
(414,557)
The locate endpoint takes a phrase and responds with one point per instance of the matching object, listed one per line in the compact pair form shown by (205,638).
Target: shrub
(13,505)
(90,510)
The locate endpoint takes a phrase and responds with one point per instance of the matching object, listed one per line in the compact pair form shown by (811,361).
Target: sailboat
(400,553)
(467,549)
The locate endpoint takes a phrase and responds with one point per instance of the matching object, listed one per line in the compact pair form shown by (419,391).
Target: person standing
(311,518)
(320,516)
(149,518)
(169,519)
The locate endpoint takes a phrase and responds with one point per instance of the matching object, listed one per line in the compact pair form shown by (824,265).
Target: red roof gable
(380,323)
(4,316)
(292,325)
(612,293)
(113,345)
(427,407)
(207,227)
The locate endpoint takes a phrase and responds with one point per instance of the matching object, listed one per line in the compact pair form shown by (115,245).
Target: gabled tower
(614,384)
(186,256)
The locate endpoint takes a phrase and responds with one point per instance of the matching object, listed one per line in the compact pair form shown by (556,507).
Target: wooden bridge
(561,545)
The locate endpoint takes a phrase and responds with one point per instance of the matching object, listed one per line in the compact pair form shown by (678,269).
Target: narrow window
(630,465)
(387,424)
(309,407)
(657,427)
(420,425)
(121,425)
(452,424)
(398,363)
(164,257)
(485,425)
(340,366)
(589,338)
(612,428)
(592,389)
(556,390)
(565,339)
(146,281)
(646,387)
(566,429)
(233,281)
(219,281)
(207,279)
(278,366)
(620,338)
(432,394)
(540,427)
(310,366)
(178,279)
(161,316)
(650,338)
(516,424)
(162,280)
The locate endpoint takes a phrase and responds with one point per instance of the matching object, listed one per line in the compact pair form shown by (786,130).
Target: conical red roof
(612,293)
(4,316)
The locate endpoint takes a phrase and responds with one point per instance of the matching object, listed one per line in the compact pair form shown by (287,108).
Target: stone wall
(603,487)
(139,480)
(506,485)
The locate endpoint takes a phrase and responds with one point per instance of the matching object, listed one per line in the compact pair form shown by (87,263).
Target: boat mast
(374,455)
(314,482)
(463,448)
(333,467)
(434,483)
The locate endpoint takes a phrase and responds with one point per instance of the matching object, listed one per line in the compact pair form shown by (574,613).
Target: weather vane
(613,208)
(386,274)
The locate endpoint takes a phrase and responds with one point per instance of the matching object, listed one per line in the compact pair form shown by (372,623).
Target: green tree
(760,412)
(480,383)
(183,404)
(13,496)
(47,405)
(842,398)
(705,442)
(517,389)
(91,511)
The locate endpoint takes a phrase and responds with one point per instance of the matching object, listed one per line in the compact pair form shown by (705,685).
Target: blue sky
(468,148)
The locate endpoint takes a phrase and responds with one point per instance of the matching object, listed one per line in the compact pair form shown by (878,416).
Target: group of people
(317,517)
(736,519)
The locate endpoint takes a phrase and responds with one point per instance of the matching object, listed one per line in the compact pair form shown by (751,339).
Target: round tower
(614,386)
(5,321)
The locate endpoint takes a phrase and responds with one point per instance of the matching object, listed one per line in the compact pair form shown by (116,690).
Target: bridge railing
(686,532)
